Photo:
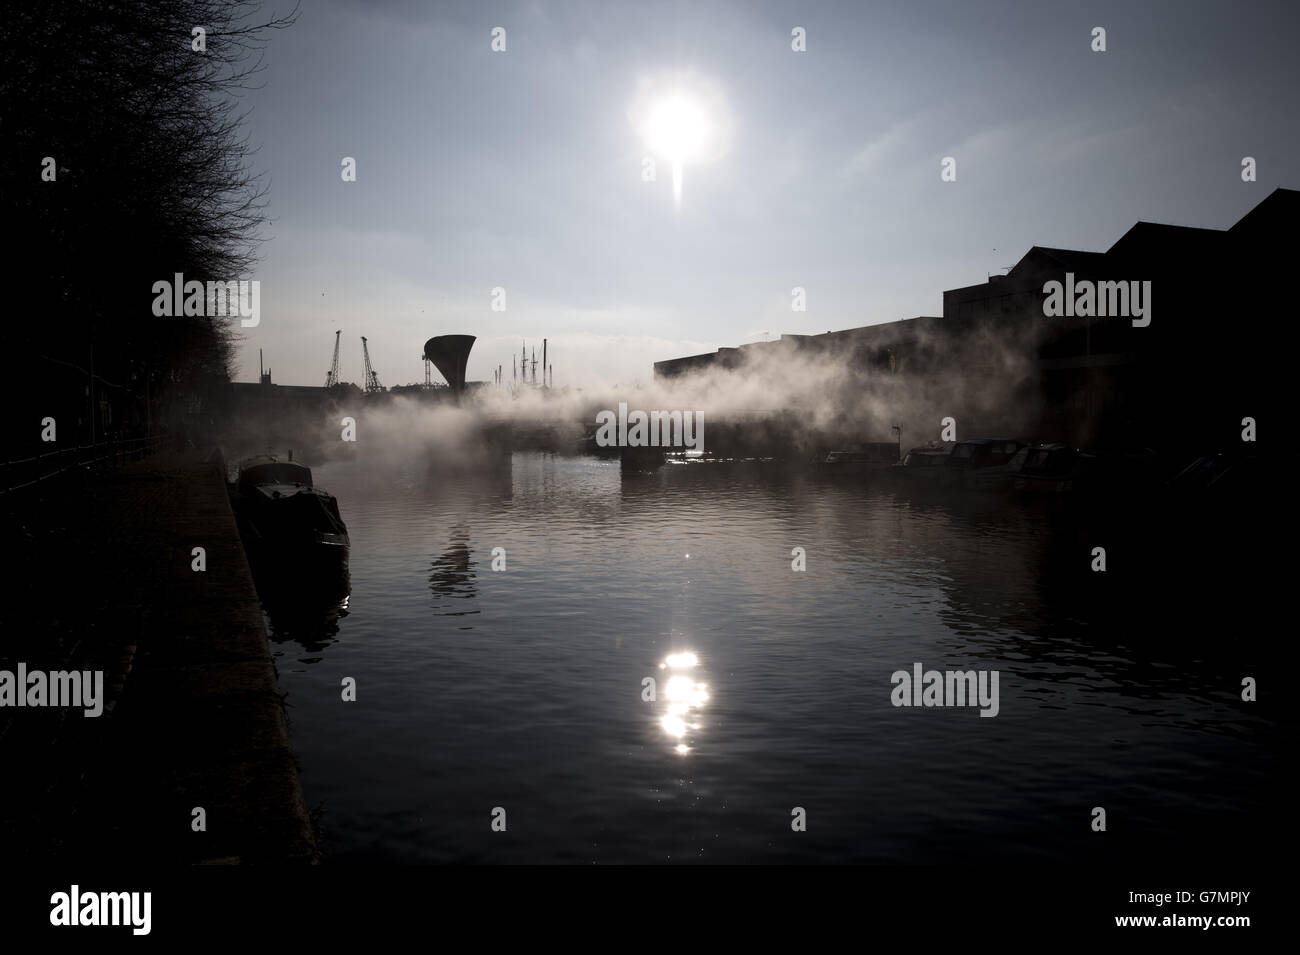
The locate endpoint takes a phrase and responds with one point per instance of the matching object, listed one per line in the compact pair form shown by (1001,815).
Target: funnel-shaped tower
(450,353)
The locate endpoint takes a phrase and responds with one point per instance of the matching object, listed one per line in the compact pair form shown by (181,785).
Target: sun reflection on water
(683,696)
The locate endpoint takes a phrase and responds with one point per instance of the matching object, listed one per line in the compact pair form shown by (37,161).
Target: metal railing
(26,472)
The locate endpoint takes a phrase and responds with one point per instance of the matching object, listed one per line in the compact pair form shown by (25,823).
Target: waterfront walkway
(104,579)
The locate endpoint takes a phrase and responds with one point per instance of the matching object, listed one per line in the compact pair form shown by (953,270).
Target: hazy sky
(522,169)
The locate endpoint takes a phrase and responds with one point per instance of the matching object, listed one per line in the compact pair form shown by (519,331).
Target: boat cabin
(268,470)
(925,457)
(1051,461)
(983,452)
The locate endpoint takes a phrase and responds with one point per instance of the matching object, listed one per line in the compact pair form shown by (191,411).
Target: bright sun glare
(676,129)
(682,120)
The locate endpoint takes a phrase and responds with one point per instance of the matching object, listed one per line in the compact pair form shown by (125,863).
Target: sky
(523,169)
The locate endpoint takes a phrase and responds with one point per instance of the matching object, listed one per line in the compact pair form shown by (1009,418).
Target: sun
(682,120)
(677,128)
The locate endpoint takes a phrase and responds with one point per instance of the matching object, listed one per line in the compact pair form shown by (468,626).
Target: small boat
(1053,468)
(285,519)
(924,465)
(640,460)
(985,464)
(860,459)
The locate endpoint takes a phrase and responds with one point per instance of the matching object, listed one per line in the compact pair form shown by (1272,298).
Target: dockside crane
(332,376)
(372,378)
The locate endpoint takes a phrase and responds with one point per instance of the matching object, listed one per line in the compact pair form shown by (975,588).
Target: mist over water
(800,402)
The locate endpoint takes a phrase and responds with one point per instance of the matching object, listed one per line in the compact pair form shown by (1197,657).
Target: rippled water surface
(523,689)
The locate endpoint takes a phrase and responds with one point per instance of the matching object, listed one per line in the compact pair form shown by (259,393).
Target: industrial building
(1206,357)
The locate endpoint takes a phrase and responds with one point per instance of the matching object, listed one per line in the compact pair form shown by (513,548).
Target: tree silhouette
(154,176)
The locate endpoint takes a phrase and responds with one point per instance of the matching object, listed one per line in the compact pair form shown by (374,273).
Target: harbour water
(522,689)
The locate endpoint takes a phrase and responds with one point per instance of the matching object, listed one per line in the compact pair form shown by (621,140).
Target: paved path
(194,718)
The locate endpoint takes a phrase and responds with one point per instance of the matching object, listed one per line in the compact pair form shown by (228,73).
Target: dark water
(522,689)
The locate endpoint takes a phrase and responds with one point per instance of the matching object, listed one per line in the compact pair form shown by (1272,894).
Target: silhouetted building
(1204,355)
(883,347)
(1186,379)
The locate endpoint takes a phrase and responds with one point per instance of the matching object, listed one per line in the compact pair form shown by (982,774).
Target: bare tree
(137,105)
